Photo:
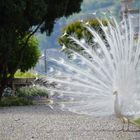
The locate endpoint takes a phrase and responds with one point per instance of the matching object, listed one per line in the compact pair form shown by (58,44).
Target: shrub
(27,74)
(7,92)
(14,101)
(23,95)
(32,92)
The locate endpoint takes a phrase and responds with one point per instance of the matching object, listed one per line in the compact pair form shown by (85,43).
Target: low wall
(18,82)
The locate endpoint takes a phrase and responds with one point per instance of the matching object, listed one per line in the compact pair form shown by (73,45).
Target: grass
(14,101)
(137,121)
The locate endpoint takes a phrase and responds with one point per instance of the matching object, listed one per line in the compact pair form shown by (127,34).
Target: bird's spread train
(88,80)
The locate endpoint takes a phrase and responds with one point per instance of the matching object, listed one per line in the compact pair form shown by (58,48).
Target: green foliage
(19,21)
(57,9)
(26,13)
(79,31)
(14,101)
(23,96)
(27,74)
(137,121)
(21,15)
(32,92)
(30,57)
(8,92)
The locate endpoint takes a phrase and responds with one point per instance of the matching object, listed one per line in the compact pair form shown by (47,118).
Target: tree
(31,56)
(20,20)
(78,30)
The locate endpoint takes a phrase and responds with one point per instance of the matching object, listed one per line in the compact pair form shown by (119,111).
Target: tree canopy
(78,30)
(27,13)
(30,57)
(19,21)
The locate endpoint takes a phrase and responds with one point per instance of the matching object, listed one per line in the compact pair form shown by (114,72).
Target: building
(128,10)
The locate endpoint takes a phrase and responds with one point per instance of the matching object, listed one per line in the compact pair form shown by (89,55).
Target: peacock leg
(123,124)
(128,125)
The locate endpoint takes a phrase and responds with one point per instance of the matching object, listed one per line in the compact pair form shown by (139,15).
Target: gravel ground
(42,123)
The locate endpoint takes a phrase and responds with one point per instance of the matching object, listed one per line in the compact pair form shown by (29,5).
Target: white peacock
(88,82)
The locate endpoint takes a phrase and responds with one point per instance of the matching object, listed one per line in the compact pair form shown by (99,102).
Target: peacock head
(115,93)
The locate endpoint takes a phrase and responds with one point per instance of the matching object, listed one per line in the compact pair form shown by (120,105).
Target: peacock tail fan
(85,83)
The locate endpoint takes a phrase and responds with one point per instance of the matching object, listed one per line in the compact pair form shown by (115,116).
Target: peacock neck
(117,109)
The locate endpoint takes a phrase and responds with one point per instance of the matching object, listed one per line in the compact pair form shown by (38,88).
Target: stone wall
(18,82)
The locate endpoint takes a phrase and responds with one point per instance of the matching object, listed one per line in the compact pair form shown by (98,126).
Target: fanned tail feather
(87,83)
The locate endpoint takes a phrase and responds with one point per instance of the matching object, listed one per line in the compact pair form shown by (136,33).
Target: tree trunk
(1,92)
(2,87)
(5,82)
